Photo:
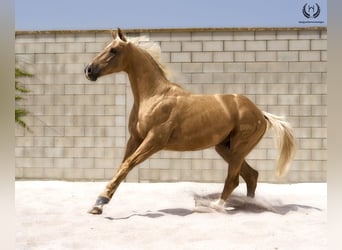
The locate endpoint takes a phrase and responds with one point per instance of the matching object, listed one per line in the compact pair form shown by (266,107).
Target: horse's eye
(113,50)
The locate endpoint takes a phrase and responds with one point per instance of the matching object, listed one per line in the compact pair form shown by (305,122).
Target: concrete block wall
(79,128)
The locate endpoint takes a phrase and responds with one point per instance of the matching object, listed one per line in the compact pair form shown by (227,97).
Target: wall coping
(160,30)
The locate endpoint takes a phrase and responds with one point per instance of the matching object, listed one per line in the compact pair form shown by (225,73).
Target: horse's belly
(200,132)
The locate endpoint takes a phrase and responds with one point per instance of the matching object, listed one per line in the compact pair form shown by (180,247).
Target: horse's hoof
(95,210)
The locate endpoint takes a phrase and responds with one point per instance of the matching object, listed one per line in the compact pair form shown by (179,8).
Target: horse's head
(110,60)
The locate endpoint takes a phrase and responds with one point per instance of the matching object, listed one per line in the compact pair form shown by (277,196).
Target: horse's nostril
(88,69)
(91,72)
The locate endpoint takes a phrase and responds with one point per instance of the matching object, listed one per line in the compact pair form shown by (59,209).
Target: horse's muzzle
(91,72)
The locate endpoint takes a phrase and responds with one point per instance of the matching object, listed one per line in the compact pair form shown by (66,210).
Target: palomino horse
(166,116)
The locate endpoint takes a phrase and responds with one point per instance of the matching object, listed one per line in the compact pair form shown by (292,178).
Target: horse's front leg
(148,147)
(111,187)
(104,198)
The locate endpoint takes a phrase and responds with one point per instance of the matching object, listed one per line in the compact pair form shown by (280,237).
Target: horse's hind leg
(241,142)
(247,172)
(250,176)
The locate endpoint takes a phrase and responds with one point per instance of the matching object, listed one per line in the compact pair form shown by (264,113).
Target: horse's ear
(121,35)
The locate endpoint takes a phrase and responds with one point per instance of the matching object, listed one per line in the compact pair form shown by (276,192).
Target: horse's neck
(145,76)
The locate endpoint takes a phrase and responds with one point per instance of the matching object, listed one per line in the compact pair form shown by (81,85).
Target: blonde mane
(154,50)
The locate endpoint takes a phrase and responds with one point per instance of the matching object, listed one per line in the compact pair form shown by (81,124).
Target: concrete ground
(53,215)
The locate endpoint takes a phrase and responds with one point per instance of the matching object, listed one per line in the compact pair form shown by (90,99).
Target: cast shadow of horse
(235,204)
(157,214)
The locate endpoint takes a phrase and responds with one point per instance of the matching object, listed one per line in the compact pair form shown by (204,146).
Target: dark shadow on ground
(148,214)
(177,211)
(153,215)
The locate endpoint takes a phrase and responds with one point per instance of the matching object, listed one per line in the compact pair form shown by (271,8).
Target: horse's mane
(153,49)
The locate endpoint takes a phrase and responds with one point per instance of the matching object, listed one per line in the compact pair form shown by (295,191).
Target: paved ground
(53,215)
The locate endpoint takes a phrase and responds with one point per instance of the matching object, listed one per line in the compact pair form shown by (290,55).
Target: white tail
(285,139)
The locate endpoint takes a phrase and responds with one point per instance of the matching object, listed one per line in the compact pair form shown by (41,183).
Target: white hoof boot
(218,205)
(205,206)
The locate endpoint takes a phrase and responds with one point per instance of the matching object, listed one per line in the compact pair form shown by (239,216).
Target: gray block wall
(79,128)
